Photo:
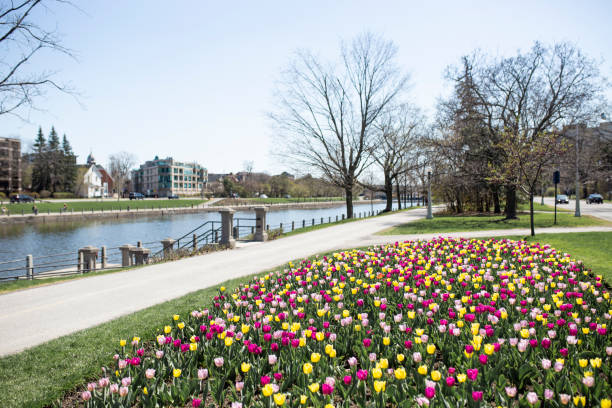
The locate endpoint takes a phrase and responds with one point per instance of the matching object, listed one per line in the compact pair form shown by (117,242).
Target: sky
(195,80)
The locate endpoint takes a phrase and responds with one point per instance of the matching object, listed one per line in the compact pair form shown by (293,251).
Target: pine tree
(69,165)
(55,161)
(40,170)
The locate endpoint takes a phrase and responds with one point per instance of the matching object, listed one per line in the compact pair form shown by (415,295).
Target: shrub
(2,195)
(59,194)
(33,194)
(45,194)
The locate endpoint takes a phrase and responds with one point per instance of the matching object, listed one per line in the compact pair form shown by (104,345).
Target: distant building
(94,181)
(164,177)
(10,165)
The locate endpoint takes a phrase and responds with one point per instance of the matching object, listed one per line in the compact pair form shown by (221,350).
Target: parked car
(136,196)
(594,198)
(21,198)
(562,199)
(173,197)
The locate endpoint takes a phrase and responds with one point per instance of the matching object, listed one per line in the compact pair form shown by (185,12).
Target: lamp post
(429,213)
(577,211)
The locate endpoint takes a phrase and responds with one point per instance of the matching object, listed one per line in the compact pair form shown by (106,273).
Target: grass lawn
(243,201)
(593,248)
(39,376)
(486,222)
(108,205)
(539,207)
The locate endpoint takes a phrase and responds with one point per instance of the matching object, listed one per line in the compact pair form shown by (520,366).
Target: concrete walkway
(34,316)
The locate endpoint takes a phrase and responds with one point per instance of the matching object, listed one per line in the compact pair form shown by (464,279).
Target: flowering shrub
(444,323)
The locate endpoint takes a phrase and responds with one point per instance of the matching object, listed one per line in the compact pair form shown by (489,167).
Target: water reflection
(19,240)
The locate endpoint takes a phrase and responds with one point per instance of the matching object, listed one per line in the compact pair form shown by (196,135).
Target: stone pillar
(227,221)
(195,241)
(260,221)
(103,258)
(90,255)
(141,255)
(30,267)
(126,256)
(168,245)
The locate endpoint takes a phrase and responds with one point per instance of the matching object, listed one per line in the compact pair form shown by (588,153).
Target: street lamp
(429,212)
(577,211)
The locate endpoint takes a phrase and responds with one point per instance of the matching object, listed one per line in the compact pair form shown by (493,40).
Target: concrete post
(281,227)
(90,255)
(292,225)
(313,221)
(343,216)
(235,232)
(260,221)
(195,241)
(80,262)
(303,223)
(126,256)
(227,221)
(138,253)
(168,245)
(30,267)
(321,220)
(103,257)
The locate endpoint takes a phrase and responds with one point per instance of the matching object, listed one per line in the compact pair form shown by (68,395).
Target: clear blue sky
(194,79)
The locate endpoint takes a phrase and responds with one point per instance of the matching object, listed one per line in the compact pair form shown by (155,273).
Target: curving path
(37,315)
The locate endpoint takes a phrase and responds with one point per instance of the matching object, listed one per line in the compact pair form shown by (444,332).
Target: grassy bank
(593,248)
(108,205)
(488,222)
(255,201)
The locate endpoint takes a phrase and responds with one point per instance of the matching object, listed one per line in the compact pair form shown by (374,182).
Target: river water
(41,240)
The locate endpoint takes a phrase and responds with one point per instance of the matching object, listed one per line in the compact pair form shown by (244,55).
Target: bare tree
(326,113)
(120,165)
(21,40)
(395,143)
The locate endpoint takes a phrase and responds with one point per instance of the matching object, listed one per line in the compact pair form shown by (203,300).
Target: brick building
(10,165)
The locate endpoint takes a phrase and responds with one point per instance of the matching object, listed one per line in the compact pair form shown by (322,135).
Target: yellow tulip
(376,372)
(606,403)
(436,375)
(400,357)
(267,390)
(583,362)
(245,367)
(315,357)
(431,348)
(314,387)
(400,373)
(167,329)
(422,370)
(279,399)
(384,363)
(380,386)
(122,343)
(307,368)
(303,399)
(461,378)
(176,372)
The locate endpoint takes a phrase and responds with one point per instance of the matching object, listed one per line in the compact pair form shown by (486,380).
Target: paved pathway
(34,316)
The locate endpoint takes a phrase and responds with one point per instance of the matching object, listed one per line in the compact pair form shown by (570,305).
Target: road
(597,210)
(34,316)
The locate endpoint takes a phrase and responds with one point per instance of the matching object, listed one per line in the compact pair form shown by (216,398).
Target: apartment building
(164,177)
(10,165)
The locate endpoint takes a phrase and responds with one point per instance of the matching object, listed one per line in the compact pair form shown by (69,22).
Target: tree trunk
(511,203)
(388,193)
(478,201)
(459,204)
(496,206)
(349,201)
(531,194)
(399,195)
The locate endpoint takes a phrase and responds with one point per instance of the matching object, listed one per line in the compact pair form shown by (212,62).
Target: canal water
(41,240)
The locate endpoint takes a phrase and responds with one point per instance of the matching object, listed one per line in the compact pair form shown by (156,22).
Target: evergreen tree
(40,170)
(69,170)
(55,161)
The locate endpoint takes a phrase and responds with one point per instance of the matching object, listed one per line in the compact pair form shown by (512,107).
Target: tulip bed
(441,323)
